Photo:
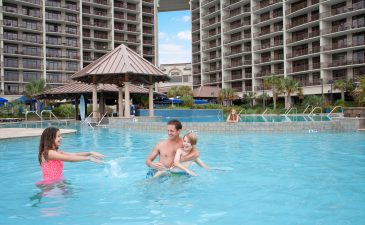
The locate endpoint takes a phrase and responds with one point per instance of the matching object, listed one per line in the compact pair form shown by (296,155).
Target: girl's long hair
(232,117)
(47,143)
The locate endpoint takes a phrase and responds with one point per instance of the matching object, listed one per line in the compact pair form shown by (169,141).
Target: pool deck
(6,133)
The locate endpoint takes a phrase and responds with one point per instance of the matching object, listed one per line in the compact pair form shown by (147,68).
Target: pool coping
(336,124)
(10,133)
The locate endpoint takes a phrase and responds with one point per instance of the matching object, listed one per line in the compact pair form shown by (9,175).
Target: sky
(174,37)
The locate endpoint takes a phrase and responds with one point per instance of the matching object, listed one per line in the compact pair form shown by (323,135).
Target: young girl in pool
(51,159)
(189,142)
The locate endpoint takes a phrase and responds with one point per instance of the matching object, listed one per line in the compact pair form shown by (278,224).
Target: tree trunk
(343,95)
(274,98)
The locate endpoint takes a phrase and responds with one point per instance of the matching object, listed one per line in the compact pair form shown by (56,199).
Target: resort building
(179,73)
(235,43)
(52,39)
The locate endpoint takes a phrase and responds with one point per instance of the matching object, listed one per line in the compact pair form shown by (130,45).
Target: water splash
(113,168)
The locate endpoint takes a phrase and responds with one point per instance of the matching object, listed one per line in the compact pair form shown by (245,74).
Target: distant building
(180,74)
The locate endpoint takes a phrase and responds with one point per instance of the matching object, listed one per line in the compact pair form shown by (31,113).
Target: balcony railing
(336,63)
(343,27)
(237,64)
(236,12)
(265,46)
(268,31)
(235,26)
(237,51)
(302,36)
(266,18)
(302,21)
(302,5)
(265,3)
(237,38)
(333,12)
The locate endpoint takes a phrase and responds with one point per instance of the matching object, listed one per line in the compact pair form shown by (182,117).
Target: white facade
(180,74)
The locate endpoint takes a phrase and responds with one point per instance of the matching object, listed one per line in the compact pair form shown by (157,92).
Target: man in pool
(166,150)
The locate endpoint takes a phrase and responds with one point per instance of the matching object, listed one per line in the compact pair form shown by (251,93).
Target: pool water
(248,118)
(299,178)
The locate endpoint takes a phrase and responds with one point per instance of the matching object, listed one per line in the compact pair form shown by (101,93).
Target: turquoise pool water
(248,118)
(299,178)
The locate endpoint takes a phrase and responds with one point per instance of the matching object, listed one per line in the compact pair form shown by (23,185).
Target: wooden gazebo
(121,67)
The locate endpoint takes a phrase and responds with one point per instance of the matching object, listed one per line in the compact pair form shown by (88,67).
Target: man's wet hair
(176,123)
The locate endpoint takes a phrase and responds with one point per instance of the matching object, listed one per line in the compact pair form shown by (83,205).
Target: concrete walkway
(6,133)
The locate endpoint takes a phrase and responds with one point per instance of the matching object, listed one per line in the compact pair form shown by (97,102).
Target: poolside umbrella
(3,101)
(121,67)
(26,100)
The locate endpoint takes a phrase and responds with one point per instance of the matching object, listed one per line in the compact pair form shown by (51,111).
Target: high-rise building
(235,43)
(52,39)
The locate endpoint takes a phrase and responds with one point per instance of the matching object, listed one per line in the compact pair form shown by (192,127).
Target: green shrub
(188,101)
(64,110)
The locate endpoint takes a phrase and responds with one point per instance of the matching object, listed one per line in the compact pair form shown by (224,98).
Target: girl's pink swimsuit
(52,170)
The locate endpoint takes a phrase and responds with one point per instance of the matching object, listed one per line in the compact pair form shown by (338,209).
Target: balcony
(210,46)
(336,63)
(334,12)
(231,2)
(266,18)
(237,51)
(268,31)
(237,25)
(212,69)
(300,68)
(238,64)
(267,46)
(300,6)
(301,52)
(263,74)
(302,36)
(236,13)
(343,27)
(265,3)
(335,46)
(237,38)
(302,21)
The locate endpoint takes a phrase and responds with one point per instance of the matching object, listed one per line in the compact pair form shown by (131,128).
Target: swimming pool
(310,178)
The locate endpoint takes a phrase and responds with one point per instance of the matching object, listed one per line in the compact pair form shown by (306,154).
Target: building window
(32,63)
(54,65)
(11,89)
(29,75)
(31,50)
(11,75)
(12,49)
(11,62)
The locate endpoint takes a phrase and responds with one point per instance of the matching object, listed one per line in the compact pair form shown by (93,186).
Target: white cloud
(163,36)
(186,19)
(184,35)
(173,53)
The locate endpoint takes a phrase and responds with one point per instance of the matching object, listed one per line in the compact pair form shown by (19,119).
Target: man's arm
(193,154)
(152,156)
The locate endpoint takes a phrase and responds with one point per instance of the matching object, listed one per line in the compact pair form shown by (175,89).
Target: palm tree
(179,91)
(343,85)
(264,97)
(226,94)
(359,92)
(290,87)
(251,96)
(275,84)
(34,87)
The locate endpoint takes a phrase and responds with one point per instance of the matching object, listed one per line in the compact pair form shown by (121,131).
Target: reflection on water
(50,197)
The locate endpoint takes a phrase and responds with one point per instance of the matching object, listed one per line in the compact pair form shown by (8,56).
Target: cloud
(186,19)
(184,35)
(163,36)
(173,53)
